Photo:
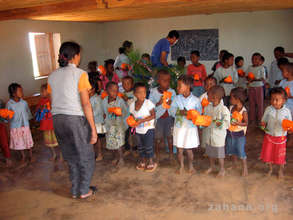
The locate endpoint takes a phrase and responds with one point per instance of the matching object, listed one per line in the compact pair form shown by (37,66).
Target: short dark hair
(110,84)
(282,61)
(121,50)
(67,52)
(163,72)
(195,52)
(127,44)
(279,49)
(218,91)
(278,90)
(226,56)
(256,54)
(238,59)
(239,93)
(128,78)
(146,55)
(262,58)
(12,88)
(93,79)
(139,85)
(187,80)
(211,78)
(289,67)
(173,33)
(181,59)
(108,62)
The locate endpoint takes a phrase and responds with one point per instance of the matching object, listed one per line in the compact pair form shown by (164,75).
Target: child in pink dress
(110,76)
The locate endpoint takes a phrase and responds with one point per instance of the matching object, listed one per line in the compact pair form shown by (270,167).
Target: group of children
(221,96)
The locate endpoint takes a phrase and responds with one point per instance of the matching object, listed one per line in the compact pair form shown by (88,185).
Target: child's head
(127,83)
(93,79)
(112,89)
(228,59)
(238,95)
(279,52)
(239,61)
(128,46)
(221,54)
(262,60)
(181,62)
(69,52)
(146,58)
(184,84)
(215,94)
(287,70)
(92,66)
(15,90)
(44,90)
(121,50)
(109,65)
(194,56)
(278,97)
(209,82)
(281,62)
(164,79)
(256,59)
(140,91)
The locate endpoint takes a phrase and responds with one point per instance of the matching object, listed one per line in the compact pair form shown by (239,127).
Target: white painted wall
(240,33)
(15,56)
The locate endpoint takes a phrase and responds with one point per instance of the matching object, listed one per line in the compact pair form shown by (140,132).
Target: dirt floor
(41,190)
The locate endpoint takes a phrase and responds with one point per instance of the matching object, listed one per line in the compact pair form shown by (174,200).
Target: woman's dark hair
(108,62)
(139,85)
(181,59)
(121,50)
(173,33)
(110,84)
(67,52)
(127,44)
(238,59)
(187,80)
(226,56)
(239,93)
(195,52)
(279,91)
(12,88)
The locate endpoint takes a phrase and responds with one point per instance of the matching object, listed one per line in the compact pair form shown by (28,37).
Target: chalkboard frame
(206,41)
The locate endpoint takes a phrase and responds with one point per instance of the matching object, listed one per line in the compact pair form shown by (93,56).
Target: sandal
(93,189)
(151,168)
(140,166)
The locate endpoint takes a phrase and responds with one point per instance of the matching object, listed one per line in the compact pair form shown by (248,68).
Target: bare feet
(245,172)
(221,173)
(8,163)
(53,158)
(126,153)
(120,163)
(99,158)
(191,171)
(208,171)
(180,170)
(280,175)
(32,159)
(269,174)
(114,162)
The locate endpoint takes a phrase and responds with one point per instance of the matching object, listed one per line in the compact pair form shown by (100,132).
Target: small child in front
(214,135)
(185,135)
(274,143)
(164,121)
(235,139)
(143,110)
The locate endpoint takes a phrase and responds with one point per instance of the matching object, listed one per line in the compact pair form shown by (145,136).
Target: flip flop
(94,189)
(151,168)
(140,166)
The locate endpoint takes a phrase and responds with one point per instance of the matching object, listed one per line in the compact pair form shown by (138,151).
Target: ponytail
(67,52)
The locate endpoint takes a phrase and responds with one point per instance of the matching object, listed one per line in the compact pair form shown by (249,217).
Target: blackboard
(205,41)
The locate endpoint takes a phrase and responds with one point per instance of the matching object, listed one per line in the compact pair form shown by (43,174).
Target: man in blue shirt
(162,48)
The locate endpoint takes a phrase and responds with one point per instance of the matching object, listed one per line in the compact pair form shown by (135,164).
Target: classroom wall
(240,33)
(15,56)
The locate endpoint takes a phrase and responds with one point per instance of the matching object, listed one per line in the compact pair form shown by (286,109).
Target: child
(225,71)
(146,58)
(214,136)
(4,138)
(115,125)
(242,82)
(143,110)
(128,96)
(185,135)
(98,112)
(164,122)
(209,82)
(198,72)
(93,68)
(181,62)
(235,139)
(46,122)
(274,143)
(275,74)
(110,76)
(287,83)
(219,63)
(20,133)
(255,88)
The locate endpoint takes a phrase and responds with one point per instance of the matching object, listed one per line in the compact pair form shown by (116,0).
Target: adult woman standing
(126,48)
(73,118)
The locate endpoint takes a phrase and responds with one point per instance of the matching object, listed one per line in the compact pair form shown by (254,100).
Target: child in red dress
(46,122)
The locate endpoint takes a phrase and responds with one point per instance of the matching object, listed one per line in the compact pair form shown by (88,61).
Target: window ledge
(41,77)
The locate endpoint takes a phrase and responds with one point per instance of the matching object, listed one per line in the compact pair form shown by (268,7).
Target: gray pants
(73,135)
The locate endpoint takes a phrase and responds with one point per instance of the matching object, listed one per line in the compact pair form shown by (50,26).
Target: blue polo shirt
(161,45)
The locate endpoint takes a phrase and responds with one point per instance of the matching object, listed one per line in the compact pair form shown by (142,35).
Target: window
(44,50)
